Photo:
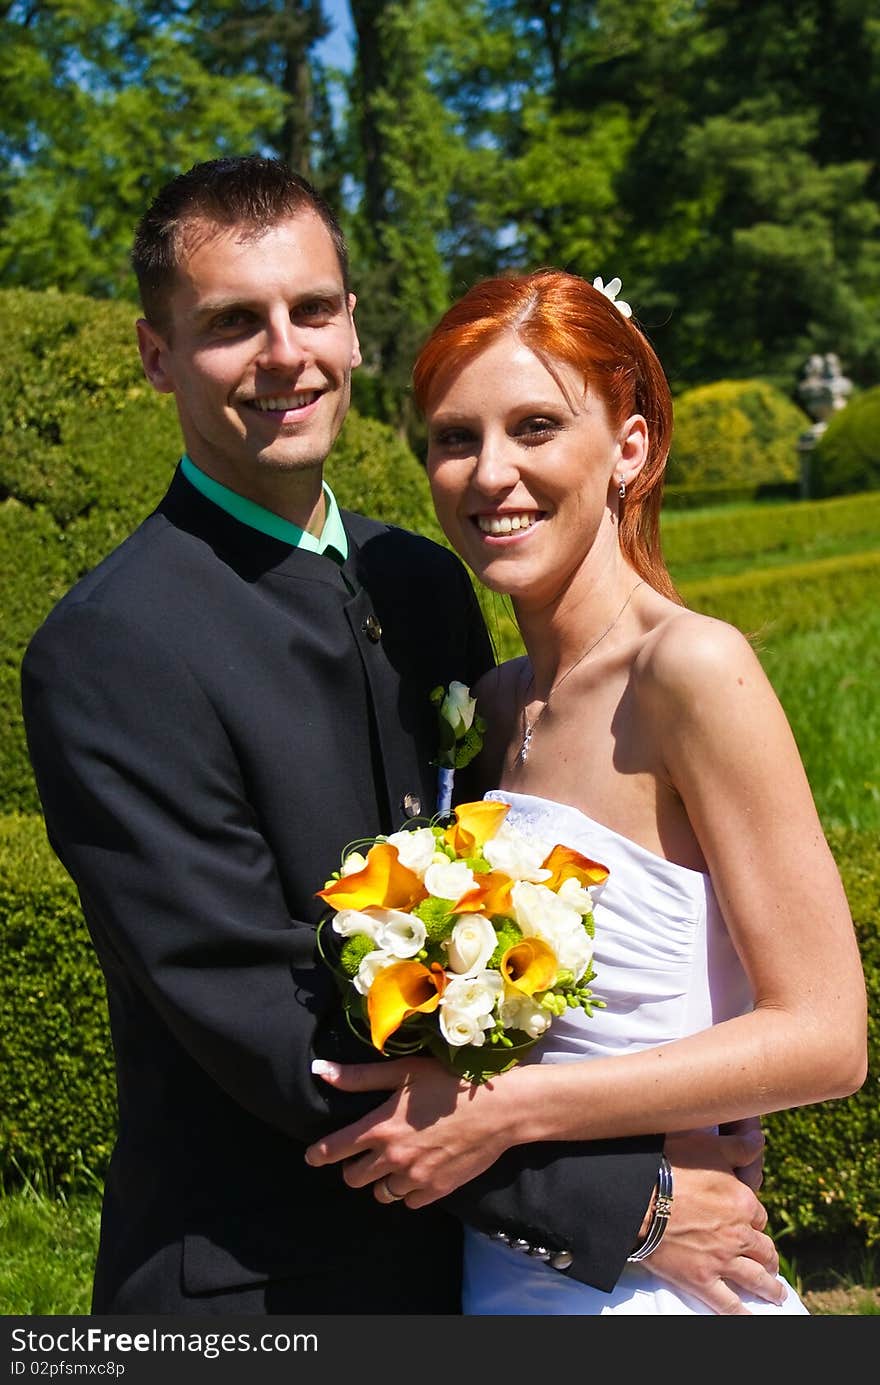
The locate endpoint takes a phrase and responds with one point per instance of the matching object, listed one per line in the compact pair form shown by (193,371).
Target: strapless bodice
(665,965)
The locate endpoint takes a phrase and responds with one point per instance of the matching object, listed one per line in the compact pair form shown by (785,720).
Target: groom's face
(258,353)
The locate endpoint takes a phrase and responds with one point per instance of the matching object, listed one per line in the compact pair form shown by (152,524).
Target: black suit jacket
(212,717)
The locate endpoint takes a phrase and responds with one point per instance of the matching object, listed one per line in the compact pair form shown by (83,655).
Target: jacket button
(411,805)
(372,629)
(562,1260)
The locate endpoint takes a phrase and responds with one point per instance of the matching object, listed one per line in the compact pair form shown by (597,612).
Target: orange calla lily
(565,864)
(401,990)
(490,896)
(383,884)
(474,824)
(529,966)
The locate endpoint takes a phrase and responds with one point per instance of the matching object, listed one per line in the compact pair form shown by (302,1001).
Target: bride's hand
(434,1132)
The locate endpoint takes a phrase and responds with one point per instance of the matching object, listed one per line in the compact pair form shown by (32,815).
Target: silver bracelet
(662,1212)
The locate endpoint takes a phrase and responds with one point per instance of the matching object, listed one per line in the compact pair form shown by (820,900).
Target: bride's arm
(731,756)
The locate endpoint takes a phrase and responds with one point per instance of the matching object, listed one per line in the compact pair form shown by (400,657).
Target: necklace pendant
(526,745)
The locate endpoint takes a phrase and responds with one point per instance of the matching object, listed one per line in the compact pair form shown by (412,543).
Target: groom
(236,693)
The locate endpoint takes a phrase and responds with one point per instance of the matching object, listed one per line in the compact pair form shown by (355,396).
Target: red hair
(562,318)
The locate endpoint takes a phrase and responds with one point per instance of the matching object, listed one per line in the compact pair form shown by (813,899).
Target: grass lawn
(48,1248)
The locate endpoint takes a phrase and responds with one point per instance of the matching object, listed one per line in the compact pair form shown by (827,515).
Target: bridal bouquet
(462,939)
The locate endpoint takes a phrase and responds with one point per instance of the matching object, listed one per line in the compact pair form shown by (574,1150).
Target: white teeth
(281,402)
(505,524)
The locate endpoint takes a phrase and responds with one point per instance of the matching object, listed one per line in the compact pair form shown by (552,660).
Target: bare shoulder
(688,657)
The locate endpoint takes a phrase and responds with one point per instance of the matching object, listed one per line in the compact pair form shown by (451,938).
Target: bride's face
(521,463)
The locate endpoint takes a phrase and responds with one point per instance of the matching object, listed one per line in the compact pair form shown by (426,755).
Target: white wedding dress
(665,968)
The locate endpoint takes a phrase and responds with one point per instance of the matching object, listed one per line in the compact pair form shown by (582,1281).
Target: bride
(646,736)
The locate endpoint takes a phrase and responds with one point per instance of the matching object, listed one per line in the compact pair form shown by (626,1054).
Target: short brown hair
(248,191)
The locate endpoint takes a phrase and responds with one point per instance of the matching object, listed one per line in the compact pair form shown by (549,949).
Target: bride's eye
(537,429)
(451,439)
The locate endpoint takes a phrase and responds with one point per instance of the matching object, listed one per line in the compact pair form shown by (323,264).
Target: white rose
(474,995)
(353,862)
(458,1028)
(415,849)
(369,969)
(471,945)
(449,879)
(403,935)
(458,708)
(349,922)
(517,856)
(518,1011)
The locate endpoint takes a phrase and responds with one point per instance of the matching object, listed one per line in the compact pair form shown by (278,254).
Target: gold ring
(392,1196)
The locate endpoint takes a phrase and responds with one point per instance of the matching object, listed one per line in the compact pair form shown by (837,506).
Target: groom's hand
(715,1246)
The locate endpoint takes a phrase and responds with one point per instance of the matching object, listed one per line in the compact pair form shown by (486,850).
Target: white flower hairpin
(611,290)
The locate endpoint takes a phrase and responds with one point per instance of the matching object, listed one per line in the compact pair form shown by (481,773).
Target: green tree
(404,155)
(101,105)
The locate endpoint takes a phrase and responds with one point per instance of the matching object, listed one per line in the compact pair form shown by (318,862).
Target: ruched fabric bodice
(665,967)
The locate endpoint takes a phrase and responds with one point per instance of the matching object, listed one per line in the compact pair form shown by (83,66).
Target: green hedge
(735,433)
(706,497)
(847,455)
(822,1171)
(798,596)
(88,448)
(57,1091)
(691,539)
(56,1084)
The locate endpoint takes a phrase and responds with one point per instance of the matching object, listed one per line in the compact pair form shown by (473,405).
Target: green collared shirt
(333,540)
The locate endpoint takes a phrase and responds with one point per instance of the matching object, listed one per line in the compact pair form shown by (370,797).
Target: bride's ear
(632,449)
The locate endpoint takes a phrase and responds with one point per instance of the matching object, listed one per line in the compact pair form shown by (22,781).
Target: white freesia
(458,708)
(517,856)
(540,913)
(611,290)
(353,862)
(415,849)
(471,945)
(579,896)
(403,935)
(369,969)
(350,922)
(449,879)
(518,1011)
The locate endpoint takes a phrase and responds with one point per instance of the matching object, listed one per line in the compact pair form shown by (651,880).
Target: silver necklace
(529,727)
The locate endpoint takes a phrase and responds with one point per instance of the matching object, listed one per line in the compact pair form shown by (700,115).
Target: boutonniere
(461,736)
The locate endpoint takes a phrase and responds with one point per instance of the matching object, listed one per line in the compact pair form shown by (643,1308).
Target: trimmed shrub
(822,1175)
(847,455)
(735,433)
(702,497)
(88,451)
(57,1088)
(797,596)
(769,530)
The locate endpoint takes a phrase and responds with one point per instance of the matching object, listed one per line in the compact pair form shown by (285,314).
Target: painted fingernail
(322,1068)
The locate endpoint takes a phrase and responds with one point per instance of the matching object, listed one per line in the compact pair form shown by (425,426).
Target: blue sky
(335,50)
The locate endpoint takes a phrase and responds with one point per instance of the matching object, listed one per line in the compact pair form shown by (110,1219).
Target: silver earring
(621,490)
